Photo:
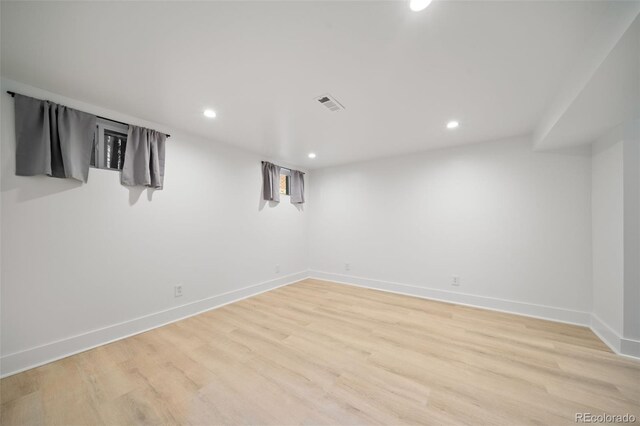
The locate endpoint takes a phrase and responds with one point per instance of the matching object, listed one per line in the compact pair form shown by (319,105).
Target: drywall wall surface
(510,223)
(608,232)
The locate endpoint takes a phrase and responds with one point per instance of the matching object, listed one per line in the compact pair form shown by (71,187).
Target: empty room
(400,212)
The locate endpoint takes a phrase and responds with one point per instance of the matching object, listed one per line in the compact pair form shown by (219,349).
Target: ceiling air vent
(330,102)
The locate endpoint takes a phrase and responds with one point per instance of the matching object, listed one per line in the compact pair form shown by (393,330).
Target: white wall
(608,232)
(512,223)
(616,237)
(78,260)
(632,232)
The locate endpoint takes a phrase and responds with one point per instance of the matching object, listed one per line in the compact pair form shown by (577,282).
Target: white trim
(625,347)
(33,357)
(628,348)
(491,303)
(29,358)
(605,333)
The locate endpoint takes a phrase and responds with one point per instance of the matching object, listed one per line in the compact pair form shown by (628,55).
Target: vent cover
(330,102)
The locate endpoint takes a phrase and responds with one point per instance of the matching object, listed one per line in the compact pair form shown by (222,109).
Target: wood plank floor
(321,353)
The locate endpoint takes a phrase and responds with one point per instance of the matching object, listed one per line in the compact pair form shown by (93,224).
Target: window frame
(103,126)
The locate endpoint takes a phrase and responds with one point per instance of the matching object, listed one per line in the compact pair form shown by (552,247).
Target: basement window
(109,145)
(284,182)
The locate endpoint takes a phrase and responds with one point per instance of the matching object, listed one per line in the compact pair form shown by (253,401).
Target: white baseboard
(26,359)
(491,303)
(630,348)
(605,333)
(23,360)
(618,344)
(621,346)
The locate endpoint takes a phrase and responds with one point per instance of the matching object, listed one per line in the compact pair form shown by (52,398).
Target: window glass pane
(284,184)
(114,148)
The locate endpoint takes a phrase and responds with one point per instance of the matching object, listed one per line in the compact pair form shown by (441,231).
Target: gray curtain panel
(144,158)
(52,139)
(270,182)
(297,187)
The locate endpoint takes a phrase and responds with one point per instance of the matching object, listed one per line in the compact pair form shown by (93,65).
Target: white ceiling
(401,75)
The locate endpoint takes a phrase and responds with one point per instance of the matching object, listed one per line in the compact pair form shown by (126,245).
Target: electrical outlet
(177,291)
(455,280)
(277,269)
(347,266)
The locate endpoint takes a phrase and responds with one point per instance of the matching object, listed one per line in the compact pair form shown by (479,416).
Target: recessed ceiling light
(452,124)
(209,113)
(418,5)
(312,155)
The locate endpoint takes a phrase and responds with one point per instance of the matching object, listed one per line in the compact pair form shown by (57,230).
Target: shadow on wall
(32,187)
(136,191)
(262,202)
(29,188)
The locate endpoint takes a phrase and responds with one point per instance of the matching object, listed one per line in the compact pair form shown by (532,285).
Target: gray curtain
(270,182)
(296,187)
(144,158)
(52,139)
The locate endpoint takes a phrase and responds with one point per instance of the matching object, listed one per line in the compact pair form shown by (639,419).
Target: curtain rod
(283,167)
(13,94)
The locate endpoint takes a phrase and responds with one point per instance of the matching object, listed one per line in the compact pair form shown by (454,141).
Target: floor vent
(330,102)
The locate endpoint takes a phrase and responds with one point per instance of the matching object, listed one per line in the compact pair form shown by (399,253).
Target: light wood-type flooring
(321,353)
